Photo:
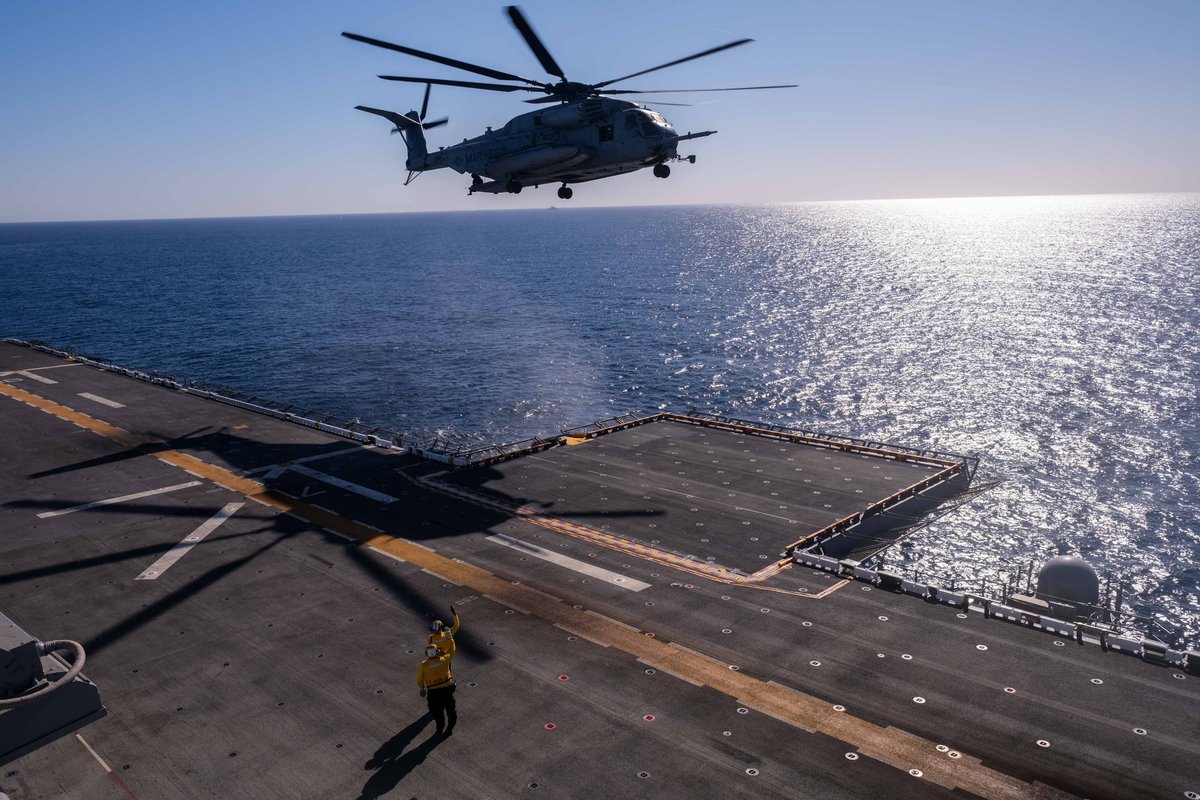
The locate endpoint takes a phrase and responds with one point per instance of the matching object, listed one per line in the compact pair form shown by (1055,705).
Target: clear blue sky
(151,109)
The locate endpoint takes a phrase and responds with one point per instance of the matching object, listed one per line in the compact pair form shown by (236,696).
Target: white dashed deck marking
(104,401)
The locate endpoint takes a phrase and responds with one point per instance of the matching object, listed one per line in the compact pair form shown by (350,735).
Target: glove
(422,693)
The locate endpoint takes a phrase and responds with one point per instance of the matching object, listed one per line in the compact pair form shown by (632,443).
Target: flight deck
(637,616)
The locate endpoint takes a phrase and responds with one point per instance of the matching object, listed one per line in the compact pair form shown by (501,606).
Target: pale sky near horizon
(125,109)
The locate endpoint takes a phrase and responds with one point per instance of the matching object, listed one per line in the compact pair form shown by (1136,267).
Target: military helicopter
(587,135)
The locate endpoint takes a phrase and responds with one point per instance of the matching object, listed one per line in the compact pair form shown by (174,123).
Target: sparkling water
(1054,336)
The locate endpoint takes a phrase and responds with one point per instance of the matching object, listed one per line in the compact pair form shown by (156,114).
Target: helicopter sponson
(586,134)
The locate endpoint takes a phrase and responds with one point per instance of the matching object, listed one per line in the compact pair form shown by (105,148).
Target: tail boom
(411,130)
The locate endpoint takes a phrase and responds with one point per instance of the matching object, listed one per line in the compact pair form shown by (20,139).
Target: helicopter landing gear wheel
(565,192)
(513,186)
(661,170)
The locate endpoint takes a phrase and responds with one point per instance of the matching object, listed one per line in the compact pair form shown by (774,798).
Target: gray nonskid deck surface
(273,660)
(734,498)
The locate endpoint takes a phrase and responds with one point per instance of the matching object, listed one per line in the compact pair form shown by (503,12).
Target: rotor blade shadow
(115,558)
(99,461)
(166,443)
(412,599)
(125,508)
(151,612)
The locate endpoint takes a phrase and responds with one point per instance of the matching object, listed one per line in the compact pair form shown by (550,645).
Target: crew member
(437,687)
(442,637)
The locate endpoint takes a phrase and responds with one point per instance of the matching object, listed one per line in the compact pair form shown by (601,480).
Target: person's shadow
(392,763)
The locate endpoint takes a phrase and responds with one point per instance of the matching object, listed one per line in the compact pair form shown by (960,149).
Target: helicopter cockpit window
(631,122)
(606,133)
(648,126)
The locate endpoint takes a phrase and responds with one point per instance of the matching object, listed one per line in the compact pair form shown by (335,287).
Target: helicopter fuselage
(572,142)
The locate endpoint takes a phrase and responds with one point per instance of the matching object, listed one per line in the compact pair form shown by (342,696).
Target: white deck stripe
(305,460)
(53,366)
(33,376)
(104,401)
(191,540)
(615,578)
(110,501)
(353,487)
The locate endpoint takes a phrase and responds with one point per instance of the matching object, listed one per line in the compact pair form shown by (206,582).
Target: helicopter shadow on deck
(418,513)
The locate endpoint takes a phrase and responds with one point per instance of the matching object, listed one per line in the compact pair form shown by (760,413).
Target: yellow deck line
(890,745)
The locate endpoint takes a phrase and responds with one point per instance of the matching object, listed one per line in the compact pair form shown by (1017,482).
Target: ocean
(1054,336)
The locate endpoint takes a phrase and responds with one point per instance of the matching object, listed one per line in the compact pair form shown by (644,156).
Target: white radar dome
(1070,579)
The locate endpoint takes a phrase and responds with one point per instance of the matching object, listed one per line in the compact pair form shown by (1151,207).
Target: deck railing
(353,429)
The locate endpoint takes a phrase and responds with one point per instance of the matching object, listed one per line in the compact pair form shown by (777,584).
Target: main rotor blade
(491,87)
(556,99)
(725,89)
(425,102)
(450,62)
(678,61)
(535,43)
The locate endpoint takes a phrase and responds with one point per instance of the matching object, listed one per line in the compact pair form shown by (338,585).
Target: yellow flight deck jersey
(434,673)
(443,640)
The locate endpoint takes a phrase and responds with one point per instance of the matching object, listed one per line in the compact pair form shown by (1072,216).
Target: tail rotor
(425,108)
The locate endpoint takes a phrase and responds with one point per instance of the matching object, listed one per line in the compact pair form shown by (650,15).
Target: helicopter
(587,133)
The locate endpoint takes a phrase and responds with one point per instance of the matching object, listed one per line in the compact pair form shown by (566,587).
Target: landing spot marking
(591,570)
(104,401)
(113,500)
(194,538)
